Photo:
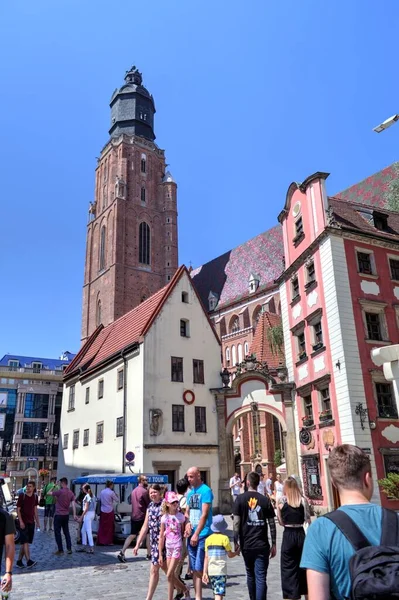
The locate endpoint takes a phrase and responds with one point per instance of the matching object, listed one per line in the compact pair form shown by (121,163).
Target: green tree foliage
(278,458)
(275,337)
(390,485)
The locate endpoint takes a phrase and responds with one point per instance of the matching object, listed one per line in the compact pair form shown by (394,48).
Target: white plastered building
(142,384)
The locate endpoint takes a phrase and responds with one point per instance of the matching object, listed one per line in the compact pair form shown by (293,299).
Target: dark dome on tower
(132,108)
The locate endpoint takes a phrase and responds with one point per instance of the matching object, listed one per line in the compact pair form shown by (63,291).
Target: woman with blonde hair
(292,513)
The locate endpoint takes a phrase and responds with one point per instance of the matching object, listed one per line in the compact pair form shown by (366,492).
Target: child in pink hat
(171,536)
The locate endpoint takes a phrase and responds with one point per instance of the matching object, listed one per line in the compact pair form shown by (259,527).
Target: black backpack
(374,570)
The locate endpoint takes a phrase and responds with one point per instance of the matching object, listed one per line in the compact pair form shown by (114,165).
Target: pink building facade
(339,300)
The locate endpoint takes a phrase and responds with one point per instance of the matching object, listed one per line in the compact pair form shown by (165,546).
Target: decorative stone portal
(252,391)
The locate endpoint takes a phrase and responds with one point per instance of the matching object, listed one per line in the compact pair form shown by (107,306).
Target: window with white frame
(120,379)
(324,399)
(184,328)
(246,349)
(75,441)
(227,356)
(100,433)
(308,406)
(310,273)
(301,344)
(394,267)
(71,400)
(119,426)
(386,403)
(87,397)
(86,437)
(317,335)
(101,389)
(294,288)
(65,441)
(233,355)
(374,320)
(365,262)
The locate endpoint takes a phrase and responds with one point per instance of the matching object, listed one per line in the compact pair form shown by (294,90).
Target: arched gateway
(254,388)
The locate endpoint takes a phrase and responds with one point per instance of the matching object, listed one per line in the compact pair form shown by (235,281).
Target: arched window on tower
(103,234)
(143,163)
(144,244)
(98,313)
(143,194)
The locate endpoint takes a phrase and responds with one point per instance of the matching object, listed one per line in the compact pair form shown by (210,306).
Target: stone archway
(247,389)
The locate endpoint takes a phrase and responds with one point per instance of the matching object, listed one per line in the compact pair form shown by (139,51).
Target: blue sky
(249,96)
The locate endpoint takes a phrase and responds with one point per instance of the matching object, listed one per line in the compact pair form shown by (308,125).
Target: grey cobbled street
(100,576)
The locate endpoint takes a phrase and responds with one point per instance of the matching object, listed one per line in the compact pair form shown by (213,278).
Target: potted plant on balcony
(307,421)
(325,415)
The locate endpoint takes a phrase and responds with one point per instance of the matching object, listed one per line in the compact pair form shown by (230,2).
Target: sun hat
(219,524)
(171,497)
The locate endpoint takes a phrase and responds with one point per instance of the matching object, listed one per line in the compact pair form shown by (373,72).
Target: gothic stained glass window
(144,244)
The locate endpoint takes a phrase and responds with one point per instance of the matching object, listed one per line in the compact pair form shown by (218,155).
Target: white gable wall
(161,343)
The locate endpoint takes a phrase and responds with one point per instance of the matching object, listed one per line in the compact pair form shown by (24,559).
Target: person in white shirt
(261,489)
(235,488)
(269,485)
(235,485)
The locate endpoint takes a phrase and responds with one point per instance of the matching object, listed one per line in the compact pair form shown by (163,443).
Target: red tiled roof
(358,217)
(260,344)
(125,331)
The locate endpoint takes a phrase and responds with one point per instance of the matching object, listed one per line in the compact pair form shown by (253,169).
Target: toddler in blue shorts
(217,548)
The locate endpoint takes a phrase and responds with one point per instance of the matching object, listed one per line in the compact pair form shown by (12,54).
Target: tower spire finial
(133,75)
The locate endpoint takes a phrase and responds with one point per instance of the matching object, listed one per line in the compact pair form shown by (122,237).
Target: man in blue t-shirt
(199,514)
(327,552)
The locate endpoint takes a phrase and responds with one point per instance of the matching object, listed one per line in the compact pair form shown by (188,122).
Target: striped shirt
(216,546)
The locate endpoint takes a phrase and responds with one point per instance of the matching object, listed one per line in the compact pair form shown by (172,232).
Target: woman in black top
(292,513)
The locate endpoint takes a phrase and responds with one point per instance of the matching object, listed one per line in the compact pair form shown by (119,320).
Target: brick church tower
(131,249)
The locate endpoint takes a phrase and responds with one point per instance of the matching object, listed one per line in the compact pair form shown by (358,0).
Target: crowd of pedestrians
(321,565)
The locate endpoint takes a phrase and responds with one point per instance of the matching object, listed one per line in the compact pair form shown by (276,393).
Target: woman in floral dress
(152,524)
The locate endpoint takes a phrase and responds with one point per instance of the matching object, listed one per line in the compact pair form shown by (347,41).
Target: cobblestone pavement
(92,577)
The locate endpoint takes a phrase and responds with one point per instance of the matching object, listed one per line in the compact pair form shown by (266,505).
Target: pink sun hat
(171,497)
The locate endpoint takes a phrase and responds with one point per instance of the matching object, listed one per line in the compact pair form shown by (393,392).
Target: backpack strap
(349,528)
(390,528)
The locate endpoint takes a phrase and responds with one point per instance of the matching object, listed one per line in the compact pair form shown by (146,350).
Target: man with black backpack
(353,552)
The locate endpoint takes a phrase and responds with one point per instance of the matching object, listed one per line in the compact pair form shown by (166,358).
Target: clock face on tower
(3,399)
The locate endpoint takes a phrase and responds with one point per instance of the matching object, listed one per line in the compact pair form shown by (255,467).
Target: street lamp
(387,123)
(51,440)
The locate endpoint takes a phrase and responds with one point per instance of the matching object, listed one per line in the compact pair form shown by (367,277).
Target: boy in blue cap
(217,548)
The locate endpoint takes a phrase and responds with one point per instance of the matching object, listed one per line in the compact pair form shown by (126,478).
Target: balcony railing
(36,370)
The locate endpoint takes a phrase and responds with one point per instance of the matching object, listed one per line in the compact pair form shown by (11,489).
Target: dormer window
(380,221)
(212,300)
(253,282)
(13,364)
(36,366)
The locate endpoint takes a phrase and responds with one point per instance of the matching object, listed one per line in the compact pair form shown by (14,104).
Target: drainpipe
(124,413)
